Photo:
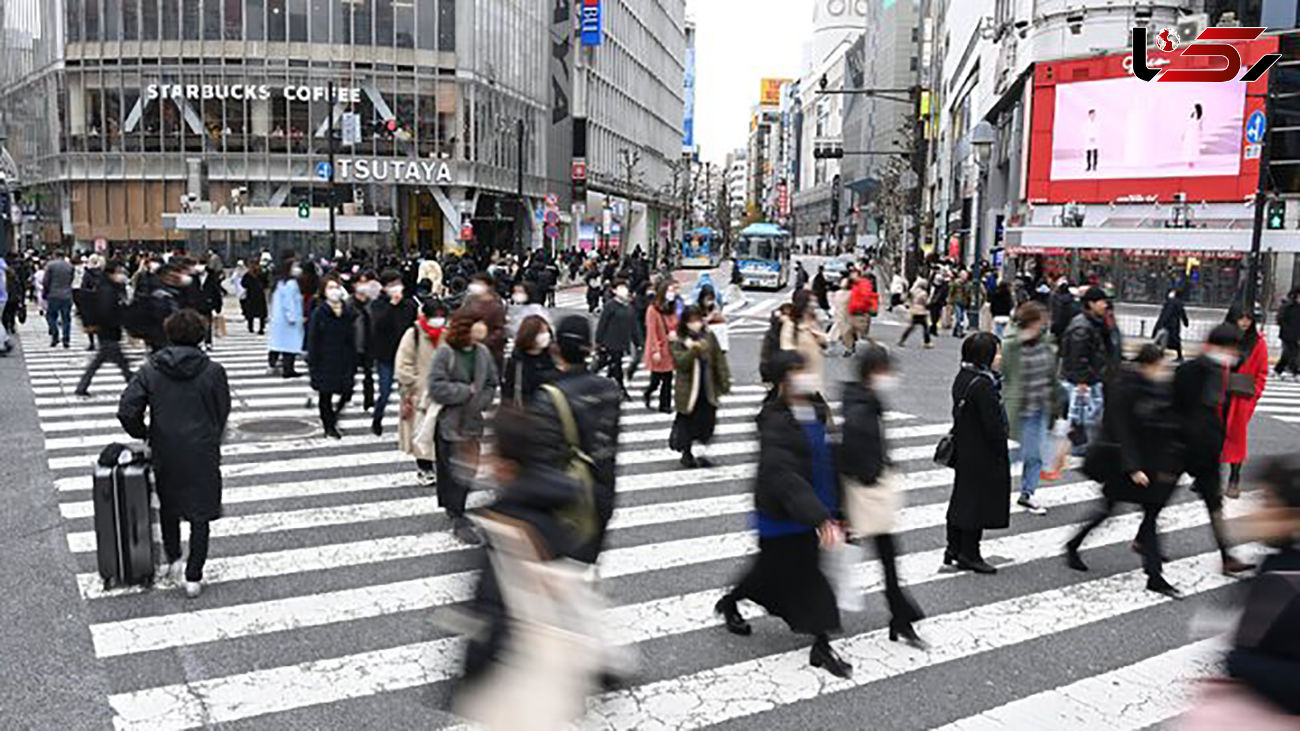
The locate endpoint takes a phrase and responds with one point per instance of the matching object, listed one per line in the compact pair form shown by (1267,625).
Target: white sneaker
(176,572)
(1031,506)
(427,478)
(193,589)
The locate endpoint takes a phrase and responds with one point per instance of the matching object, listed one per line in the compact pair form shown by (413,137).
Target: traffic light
(1276,215)
(828,151)
(304,209)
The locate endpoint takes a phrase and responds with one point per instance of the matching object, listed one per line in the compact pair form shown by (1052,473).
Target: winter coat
(109,304)
(919,299)
(689,373)
(331,349)
(431,270)
(783,488)
(287,320)
(1085,351)
(253,304)
(464,396)
(1173,316)
(1241,408)
(658,325)
(524,374)
(1063,307)
(1200,386)
(862,454)
(1288,322)
(187,398)
(983,481)
(1139,419)
(806,338)
(411,369)
(388,323)
(212,293)
(617,330)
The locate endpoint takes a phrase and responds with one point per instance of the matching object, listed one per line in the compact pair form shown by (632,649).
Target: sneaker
(193,589)
(1031,506)
(377,428)
(427,478)
(1049,475)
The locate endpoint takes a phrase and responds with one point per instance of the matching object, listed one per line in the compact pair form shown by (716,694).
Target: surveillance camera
(1075,21)
(1143,13)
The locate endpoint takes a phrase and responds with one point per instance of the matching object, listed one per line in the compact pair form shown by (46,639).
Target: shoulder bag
(945,452)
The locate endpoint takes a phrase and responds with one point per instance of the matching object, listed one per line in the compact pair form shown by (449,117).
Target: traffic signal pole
(334,236)
(1261,203)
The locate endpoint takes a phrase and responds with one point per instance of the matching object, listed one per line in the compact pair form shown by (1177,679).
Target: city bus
(701,248)
(762,255)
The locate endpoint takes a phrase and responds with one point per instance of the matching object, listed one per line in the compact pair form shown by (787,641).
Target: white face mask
(437,321)
(543,340)
(295,271)
(477,288)
(885,382)
(519,298)
(199,269)
(334,294)
(186,280)
(695,327)
(620,292)
(395,290)
(1223,358)
(804,384)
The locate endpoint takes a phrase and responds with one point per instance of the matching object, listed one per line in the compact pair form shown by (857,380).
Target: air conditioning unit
(1190,27)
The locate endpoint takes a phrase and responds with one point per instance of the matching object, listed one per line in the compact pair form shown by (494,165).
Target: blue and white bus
(762,256)
(701,248)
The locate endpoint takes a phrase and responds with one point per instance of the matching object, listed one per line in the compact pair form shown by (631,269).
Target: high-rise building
(737,170)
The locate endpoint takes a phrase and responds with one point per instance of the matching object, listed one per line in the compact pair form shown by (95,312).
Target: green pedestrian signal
(1277,215)
(304,209)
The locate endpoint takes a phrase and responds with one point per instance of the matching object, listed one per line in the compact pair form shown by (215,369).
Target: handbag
(219,325)
(945,452)
(1241,385)
(872,509)
(1101,462)
(841,566)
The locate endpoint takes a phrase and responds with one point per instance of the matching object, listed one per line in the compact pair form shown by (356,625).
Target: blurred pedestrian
(918,307)
(1288,325)
(108,300)
(332,352)
(1246,385)
(253,303)
(703,378)
(391,315)
(1030,392)
(412,365)
(617,333)
(1169,324)
(57,288)
(1086,359)
(801,333)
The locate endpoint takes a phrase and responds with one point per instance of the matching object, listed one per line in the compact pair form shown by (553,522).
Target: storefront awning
(1172,239)
(319,221)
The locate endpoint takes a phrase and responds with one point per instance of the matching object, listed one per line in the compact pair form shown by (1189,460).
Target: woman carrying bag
(531,365)
(872,495)
(1245,387)
(331,354)
(702,380)
(414,360)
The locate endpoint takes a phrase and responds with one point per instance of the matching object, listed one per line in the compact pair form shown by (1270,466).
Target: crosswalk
(331,560)
(1281,400)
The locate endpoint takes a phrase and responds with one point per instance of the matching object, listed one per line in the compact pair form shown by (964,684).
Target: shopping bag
(219,325)
(871,509)
(842,566)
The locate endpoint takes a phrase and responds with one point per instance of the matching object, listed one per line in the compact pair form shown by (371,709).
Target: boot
(823,656)
(731,616)
(1072,557)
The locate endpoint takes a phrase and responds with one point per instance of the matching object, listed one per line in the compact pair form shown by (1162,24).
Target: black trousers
(261,328)
(170,522)
(663,382)
(275,357)
(965,542)
(452,492)
(615,359)
(367,368)
(936,314)
(917,321)
(109,351)
(1147,536)
(902,610)
(1290,358)
(329,413)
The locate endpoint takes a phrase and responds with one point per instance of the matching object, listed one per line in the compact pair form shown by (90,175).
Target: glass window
(340,21)
(404,22)
(132,128)
(92,20)
(112,20)
(298,21)
(171,20)
(427,20)
(130,20)
(112,118)
(384,22)
(190,20)
(446,25)
(212,20)
(72,19)
(255,26)
(362,22)
(320,22)
(275,20)
(149,20)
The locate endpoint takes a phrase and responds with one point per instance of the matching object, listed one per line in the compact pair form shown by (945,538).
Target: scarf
(335,307)
(434,333)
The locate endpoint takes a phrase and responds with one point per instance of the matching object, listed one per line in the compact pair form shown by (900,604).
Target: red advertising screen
(1100,134)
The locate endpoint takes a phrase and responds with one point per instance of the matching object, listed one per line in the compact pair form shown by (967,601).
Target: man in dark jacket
(617,333)
(363,293)
(1087,356)
(108,302)
(58,298)
(212,294)
(1288,324)
(391,315)
(150,309)
(1063,307)
(187,398)
(1200,387)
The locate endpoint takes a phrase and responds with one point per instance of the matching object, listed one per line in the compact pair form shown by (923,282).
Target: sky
(739,42)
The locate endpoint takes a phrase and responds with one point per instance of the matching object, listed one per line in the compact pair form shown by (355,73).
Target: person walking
(212,294)
(332,352)
(391,315)
(365,290)
(57,287)
(413,365)
(86,280)
(617,333)
(1138,459)
(288,323)
(108,301)
(1169,324)
(1001,304)
(1200,392)
(961,295)
(1246,384)
(872,496)
(797,509)
(863,304)
(186,398)
(1086,359)
(918,307)
(253,303)
(1030,392)
(660,331)
(462,381)
(703,378)
(531,364)
(802,333)
(897,290)
(1288,325)
(983,480)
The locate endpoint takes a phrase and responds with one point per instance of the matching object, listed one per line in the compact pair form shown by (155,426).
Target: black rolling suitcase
(124,541)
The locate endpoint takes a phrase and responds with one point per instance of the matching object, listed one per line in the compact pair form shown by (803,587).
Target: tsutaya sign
(251,92)
(380,170)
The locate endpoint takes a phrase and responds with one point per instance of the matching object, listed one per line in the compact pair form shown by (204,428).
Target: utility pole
(333,198)
(1261,201)
(519,181)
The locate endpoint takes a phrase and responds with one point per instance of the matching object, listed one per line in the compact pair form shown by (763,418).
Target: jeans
(385,371)
(110,351)
(958,320)
(1033,439)
(170,523)
(1086,407)
(58,314)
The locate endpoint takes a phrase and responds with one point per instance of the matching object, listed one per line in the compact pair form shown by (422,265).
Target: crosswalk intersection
(331,560)
(1281,400)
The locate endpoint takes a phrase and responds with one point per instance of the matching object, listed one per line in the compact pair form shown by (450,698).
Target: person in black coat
(617,333)
(530,364)
(332,352)
(187,398)
(108,302)
(796,501)
(253,305)
(1141,453)
(391,315)
(212,295)
(1172,319)
(983,482)
(1288,325)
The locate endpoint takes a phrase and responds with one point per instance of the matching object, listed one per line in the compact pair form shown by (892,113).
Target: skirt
(695,427)
(786,579)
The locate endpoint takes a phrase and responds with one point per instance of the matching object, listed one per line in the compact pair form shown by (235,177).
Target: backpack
(581,516)
(771,346)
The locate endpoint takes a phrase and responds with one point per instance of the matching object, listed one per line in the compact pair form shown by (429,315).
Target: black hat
(1094,294)
(573,336)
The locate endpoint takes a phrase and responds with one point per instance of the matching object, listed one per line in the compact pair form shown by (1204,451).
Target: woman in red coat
(660,330)
(1240,404)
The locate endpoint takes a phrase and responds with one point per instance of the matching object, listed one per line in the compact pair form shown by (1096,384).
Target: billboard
(591,23)
(769,91)
(688,83)
(1099,134)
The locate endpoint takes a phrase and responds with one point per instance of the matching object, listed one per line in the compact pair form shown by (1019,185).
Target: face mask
(695,327)
(885,382)
(803,383)
(519,298)
(199,269)
(477,288)
(395,290)
(1227,360)
(621,293)
(437,322)
(295,271)
(186,280)
(543,340)
(373,289)
(334,294)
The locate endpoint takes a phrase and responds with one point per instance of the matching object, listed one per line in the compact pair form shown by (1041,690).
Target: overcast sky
(739,42)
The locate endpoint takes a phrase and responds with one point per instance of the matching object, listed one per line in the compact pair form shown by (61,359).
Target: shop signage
(251,92)
(411,172)
(592,23)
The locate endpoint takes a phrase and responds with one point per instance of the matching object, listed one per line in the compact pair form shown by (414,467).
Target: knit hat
(573,336)
(1094,294)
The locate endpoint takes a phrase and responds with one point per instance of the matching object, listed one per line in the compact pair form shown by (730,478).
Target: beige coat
(432,271)
(414,356)
(809,342)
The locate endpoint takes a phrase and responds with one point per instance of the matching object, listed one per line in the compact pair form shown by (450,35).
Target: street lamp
(982,138)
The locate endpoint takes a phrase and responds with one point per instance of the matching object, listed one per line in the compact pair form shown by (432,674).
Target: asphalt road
(331,562)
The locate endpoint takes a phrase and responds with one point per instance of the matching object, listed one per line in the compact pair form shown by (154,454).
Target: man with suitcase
(187,398)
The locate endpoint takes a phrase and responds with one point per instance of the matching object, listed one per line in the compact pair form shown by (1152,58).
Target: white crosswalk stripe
(329,552)
(1281,400)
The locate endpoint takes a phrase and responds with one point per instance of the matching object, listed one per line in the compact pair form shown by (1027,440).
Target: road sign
(1253,151)
(552,202)
(351,125)
(1255,127)
(324,171)
(304,209)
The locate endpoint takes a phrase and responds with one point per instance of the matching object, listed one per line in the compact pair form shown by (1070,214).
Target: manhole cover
(276,427)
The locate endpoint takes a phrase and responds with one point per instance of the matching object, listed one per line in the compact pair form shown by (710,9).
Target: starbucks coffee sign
(252,92)
(381,170)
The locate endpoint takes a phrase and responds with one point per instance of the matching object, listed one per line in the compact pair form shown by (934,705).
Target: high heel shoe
(823,656)
(736,624)
(949,558)
(908,635)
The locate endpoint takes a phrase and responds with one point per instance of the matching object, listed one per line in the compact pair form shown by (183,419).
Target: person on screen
(1091,139)
(1192,135)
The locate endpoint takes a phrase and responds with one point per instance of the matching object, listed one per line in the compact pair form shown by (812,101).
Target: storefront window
(112,20)
(446,25)
(384,22)
(320,22)
(132,136)
(427,19)
(276,24)
(404,23)
(255,25)
(212,20)
(171,20)
(131,20)
(361,21)
(342,29)
(298,21)
(190,19)
(91,20)
(72,19)
(112,119)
